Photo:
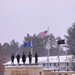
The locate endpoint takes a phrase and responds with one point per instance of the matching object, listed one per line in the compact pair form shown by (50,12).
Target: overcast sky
(19,17)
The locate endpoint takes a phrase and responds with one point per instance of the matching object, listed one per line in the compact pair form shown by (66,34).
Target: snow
(24,66)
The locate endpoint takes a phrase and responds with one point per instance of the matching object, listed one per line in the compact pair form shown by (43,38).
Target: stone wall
(32,70)
(49,72)
(63,72)
(25,70)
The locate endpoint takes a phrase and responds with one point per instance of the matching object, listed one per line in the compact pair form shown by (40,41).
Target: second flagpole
(48,47)
(31,48)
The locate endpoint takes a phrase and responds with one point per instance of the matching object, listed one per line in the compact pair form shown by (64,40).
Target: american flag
(43,34)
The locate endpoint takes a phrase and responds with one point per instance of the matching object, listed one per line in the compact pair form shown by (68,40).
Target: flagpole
(66,59)
(59,57)
(31,48)
(48,49)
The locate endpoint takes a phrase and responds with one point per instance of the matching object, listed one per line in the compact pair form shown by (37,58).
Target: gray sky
(19,17)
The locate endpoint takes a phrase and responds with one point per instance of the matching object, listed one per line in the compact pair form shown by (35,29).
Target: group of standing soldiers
(24,58)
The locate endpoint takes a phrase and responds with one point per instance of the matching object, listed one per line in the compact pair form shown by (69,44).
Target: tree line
(38,45)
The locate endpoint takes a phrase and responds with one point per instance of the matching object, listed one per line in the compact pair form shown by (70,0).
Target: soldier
(18,58)
(30,57)
(12,58)
(36,58)
(23,58)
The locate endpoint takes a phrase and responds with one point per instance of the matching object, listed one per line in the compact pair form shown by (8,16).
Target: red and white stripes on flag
(43,34)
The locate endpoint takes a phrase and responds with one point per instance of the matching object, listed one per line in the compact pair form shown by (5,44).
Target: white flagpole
(31,48)
(66,59)
(48,45)
(59,57)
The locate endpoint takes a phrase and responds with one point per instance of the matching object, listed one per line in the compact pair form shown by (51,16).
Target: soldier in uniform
(30,57)
(36,58)
(12,58)
(18,58)
(23,58)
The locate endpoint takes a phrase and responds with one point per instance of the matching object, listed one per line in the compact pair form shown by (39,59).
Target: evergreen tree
(71,39)
(39,45)
(71,44)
